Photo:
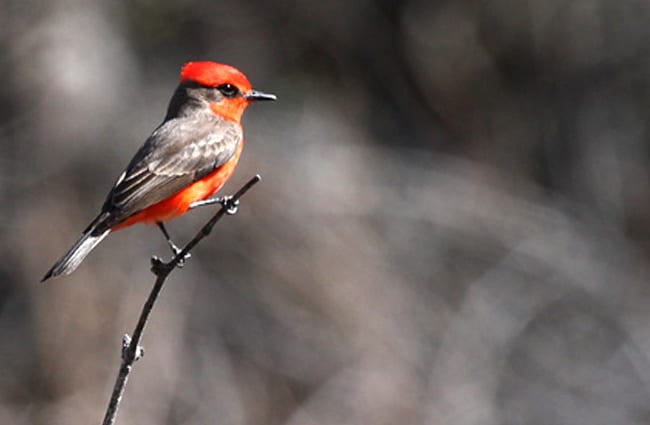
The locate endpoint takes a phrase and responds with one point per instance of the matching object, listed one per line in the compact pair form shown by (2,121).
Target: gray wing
(178,153)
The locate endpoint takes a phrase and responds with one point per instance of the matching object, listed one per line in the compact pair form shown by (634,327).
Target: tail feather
(71,260)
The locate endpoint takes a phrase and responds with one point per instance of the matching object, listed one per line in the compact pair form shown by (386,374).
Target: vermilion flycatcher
(184,161)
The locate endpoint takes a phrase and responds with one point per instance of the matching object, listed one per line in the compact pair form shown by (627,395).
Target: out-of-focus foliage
(453,226)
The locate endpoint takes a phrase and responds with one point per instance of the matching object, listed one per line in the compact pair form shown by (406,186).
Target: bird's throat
(231,109)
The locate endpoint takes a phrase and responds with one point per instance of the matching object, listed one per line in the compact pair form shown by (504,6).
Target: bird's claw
(230,205)
(181,261)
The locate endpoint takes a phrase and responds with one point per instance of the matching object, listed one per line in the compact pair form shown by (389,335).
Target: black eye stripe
(228,90)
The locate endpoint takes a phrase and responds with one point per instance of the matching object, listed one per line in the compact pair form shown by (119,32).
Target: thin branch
(131,349)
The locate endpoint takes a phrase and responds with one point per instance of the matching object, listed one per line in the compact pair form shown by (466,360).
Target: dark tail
(71,260)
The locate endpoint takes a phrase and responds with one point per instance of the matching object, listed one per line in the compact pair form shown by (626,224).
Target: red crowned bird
(188,158)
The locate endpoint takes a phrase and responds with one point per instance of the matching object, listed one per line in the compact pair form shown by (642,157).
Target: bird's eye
(228,90)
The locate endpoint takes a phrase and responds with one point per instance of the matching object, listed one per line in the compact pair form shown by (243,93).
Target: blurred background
(453,225)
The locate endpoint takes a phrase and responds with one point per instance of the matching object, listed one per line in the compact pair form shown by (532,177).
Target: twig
(131,349)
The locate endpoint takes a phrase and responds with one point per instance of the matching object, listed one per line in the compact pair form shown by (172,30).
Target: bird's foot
(176,250)
(227,202)
(230,205)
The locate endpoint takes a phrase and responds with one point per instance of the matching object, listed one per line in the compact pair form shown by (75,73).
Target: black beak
(255,95)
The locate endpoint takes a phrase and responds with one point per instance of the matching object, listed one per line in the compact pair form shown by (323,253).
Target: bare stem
(131,350)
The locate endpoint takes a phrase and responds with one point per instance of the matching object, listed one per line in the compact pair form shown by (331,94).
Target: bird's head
(225,88)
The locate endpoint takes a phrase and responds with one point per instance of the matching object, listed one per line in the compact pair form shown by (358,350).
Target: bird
(184,161)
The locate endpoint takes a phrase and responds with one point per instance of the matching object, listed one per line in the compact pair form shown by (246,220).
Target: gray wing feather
(177,153)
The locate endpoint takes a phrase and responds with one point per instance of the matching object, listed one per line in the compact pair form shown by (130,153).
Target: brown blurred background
(453,225)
